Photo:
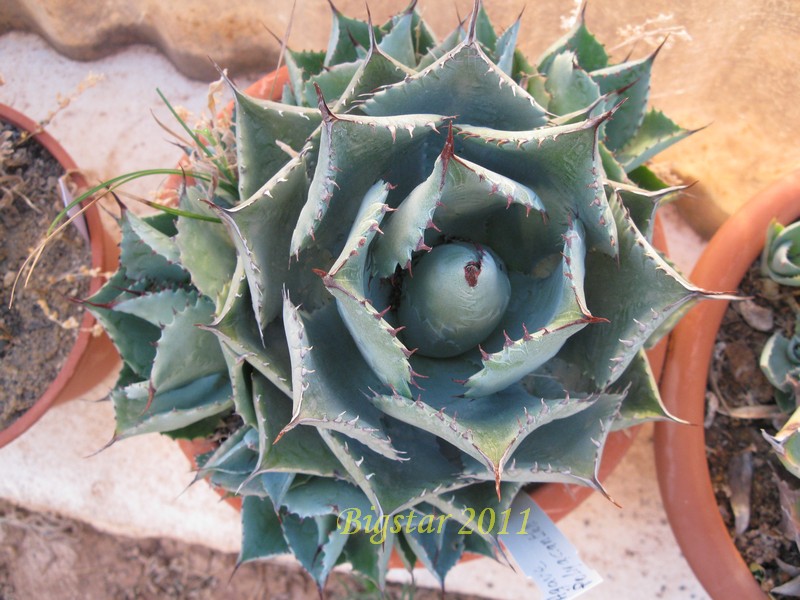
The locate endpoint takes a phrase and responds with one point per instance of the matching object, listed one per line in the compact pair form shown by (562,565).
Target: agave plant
(427,282)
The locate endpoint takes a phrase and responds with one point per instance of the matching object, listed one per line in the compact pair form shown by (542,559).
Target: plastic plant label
(536,548)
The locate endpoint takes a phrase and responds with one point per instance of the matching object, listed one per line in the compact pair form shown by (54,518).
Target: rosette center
(453,299)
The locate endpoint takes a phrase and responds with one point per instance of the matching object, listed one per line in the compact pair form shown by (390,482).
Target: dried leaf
(740,481)
(790,505)
(759,411)
(758,317)
(712,407)
(790,570)
(790,588)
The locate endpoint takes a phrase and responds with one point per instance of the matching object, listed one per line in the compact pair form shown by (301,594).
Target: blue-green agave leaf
(483,29)
(262,534)
(561,164)
(489,428)
(505,49)
(348,282)
(641,204)
(315,542)
(565,450)
(231,466)
(614,171)
(465,68)
(399,42)
(236,327)
(345,34)
(424,39)
(260,126)
(479,508)
(438,551)
(370,559)
(276,485)
(330,379)
(373,144)
(235,455)
(206,250)
(570,88)
(134,337)
(590,53)
(436,52)
(642,400)
(320,496)
(261,228)
(657,133)
(628,81)
(428,468)
(186,352)
(376,70)
(158,308)
(301,66)
(541,317)
(239,371)
(333,83)
(147,253)
(139,409)
(456,189)
(299,450)
(635,300)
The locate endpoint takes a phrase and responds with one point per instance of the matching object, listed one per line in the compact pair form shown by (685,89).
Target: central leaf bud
(455,298)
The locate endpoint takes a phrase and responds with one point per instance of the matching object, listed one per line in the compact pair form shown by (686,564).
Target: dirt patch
(38,332)
(736,382)
(47,556)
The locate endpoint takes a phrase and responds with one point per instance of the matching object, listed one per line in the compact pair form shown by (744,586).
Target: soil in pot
(734,445)
(38,331)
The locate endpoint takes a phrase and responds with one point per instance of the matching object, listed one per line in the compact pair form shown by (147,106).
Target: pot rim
(56,391)
(681,465)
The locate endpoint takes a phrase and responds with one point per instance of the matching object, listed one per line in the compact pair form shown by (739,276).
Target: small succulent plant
(780,260)
(427,282)
(780,358)
(780,362)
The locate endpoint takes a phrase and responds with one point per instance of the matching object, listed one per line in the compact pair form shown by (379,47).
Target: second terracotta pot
(680,450)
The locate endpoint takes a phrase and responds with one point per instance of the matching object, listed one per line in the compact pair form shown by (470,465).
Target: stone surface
(729,65)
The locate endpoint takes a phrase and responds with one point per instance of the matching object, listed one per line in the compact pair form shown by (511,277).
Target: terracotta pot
(680,450)
(92,358)
(557,500)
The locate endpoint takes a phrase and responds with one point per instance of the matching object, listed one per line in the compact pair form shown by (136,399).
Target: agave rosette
(432,285)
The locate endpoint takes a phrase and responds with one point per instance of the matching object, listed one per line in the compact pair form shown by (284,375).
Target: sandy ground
(45,556)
